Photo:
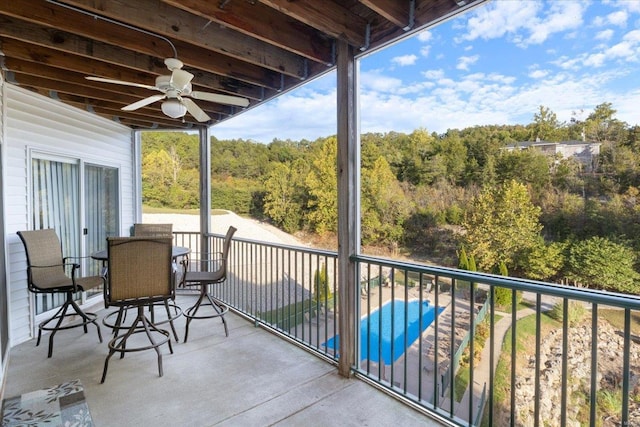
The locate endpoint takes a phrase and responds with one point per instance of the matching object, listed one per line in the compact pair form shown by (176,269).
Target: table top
(176,251)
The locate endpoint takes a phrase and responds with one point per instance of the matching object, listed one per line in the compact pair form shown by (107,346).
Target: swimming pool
(376,343)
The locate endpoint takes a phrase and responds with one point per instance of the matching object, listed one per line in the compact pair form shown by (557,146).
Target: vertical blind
(55,205)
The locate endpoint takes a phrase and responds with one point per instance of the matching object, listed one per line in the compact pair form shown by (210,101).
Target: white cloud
(465,61)
(403,101)
(604,35)
(524,22)
(433,74)
(425,36)
(618,18)
(538,74)
(405,60)
(379,82)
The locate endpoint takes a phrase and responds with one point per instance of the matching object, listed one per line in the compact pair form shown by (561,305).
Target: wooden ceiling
(256,49)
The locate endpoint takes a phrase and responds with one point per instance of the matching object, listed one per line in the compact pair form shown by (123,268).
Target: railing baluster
(282,280)
(594,366)
(513,356)
(492,343)
(565,358)
(536,394)
(472,314)
(626,371)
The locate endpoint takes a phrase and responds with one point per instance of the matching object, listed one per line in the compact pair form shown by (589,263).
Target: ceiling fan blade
(143,102)
(195,111)
(220,99)
(180,79)
(120,82)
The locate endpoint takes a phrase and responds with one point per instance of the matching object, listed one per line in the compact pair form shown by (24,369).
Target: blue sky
(494,65)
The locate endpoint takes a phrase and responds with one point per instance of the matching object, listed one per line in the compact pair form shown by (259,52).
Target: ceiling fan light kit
(173,108)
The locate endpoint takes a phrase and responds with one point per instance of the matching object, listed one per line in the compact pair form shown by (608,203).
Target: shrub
(575,312)
(321,289)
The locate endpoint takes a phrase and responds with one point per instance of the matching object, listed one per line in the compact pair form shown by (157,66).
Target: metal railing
(563,354)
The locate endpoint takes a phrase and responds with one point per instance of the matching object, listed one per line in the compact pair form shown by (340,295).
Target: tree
(322,186)
(283,201)
(545,125)
(543,261)
(157,178)
(321,290)
(603,264)
(529,166)
(501,225)
(384,205)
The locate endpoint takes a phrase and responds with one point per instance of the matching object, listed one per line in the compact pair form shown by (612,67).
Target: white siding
(34,122)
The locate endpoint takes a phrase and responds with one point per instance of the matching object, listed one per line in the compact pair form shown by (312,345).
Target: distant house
(584,152)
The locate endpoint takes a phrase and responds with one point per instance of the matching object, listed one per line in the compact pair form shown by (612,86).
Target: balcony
(249,378)
(531,366)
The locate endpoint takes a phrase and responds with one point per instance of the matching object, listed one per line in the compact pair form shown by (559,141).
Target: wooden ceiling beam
(394,11)
(41,13)
(151,66)
(264,23)
(326,16)
(20,67)
(429,12)
(177,24)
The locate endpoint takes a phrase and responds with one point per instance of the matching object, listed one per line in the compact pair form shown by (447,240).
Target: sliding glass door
(101,209)
(57,190)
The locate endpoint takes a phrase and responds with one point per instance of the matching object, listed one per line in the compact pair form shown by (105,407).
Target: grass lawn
(616,318)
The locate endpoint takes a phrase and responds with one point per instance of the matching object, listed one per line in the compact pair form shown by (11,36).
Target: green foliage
(575,312)
(463,260)
(501,224)
(472,263)
(529,167)
(419,188)
(503,296)
(284,199)
(234,194)
(603,264)
(322,187)
(321,290)
(543,261)
(384,205)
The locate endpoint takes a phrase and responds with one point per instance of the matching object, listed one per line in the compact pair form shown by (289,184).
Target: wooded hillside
(539,216)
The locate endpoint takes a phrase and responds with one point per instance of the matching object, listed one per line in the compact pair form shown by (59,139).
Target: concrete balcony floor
(251,378)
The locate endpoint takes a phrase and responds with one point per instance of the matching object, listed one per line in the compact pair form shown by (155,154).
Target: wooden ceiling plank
(150,66)
(430,12)
(326,16)
(394,11)
(160,18)
(264,23)
(45,14)
(65,88)
(37,70)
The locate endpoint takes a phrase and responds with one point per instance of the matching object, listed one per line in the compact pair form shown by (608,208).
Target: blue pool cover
(377,333)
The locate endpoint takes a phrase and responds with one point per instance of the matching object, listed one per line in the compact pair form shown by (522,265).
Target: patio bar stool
(140,273)
(205,280)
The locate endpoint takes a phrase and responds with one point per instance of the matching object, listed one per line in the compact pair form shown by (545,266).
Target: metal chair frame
(140,274)
(47,274)
(206,279)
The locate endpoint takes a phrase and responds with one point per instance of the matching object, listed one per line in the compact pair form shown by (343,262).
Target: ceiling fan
(176,93)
